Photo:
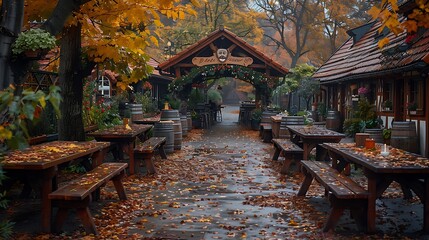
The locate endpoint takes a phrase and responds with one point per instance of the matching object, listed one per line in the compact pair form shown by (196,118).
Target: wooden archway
(223,49)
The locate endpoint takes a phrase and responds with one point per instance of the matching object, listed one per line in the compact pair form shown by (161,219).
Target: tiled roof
(155,73)
(366,59)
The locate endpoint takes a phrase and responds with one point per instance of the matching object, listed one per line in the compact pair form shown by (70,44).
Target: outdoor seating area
(172,119)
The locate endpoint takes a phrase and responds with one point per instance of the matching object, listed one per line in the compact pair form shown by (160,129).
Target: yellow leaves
(42,101)
(197,3)
(5,134)
(154,40)
(374,12)
(292,223)
(410,25)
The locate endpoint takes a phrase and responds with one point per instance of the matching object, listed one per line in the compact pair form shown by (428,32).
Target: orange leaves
(383,42)
(387,13)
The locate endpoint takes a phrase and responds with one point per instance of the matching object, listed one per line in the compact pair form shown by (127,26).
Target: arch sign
(222,56)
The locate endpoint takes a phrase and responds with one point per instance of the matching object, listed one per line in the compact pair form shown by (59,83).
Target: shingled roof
(360,56)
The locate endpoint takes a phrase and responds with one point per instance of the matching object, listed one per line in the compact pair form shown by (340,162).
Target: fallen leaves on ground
(193,190)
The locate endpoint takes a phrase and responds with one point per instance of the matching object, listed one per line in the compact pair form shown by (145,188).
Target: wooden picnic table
(41,162)
(408,169)
(125,137)
(311,136)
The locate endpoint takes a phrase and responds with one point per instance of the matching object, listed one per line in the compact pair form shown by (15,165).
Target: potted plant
(322,111)
(412,107)
(256,117)
(387,105)
(33,43)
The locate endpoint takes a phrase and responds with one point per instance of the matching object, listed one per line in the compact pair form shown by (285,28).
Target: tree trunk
(12,12)
(70,125)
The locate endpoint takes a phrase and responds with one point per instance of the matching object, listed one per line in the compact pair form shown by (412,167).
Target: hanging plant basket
(35,54)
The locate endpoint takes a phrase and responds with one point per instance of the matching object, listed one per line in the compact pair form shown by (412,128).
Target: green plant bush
(256,114)
(364,117)
(33,39)
(322,109)
(214,96)
(148,105)
(195,97)
(98,113)
(352,126)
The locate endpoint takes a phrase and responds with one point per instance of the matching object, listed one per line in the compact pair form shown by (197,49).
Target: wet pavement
(223,185)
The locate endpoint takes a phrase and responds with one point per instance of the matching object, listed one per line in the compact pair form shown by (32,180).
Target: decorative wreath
(200,74)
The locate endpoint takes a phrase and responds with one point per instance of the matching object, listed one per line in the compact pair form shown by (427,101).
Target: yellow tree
(388,12)
(112,33)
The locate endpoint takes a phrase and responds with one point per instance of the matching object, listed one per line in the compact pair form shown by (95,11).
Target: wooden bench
(78,193)
(38,139)
(289,150)
(266,132)
(343,192)
(146,150)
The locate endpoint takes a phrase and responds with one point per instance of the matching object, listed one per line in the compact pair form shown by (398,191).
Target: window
(387,103)
(417,94)
(104,86)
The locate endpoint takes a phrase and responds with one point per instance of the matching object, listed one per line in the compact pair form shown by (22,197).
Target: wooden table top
(276,118)
(398,160)
(119,131)
(50,154)
(314,131)
(150,120)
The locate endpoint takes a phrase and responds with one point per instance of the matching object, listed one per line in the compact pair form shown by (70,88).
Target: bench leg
(86,218)
(162,152)
(82,211)
(286,166)
(60,219)
(148,159)
(305,184)
(276,153)
(117,182)
(333,218)
(359,215)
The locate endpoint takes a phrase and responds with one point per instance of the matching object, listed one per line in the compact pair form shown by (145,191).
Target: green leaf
(28,111)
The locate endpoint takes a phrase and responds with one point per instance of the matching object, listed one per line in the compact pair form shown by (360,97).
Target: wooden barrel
(289,120)
(170,115)
(333,121)
(136,110)
(376,134)
(404,136)
(165,129)
(189,119)
(177,129)
(184,122)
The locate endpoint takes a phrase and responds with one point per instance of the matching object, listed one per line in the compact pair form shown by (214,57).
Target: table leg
(46,188)
(131,156)
(98,157)
(426,207)
(372,190)
(307,149)
(321,153)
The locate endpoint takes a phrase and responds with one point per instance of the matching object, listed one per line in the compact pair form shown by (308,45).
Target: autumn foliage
(388,12)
